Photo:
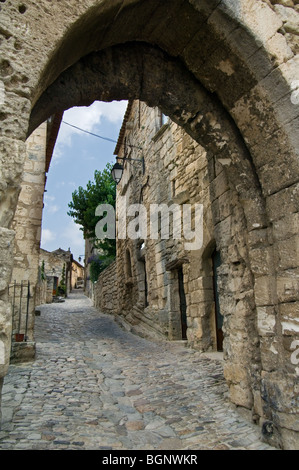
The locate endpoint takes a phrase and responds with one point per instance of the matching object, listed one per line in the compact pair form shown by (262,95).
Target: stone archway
(226,79)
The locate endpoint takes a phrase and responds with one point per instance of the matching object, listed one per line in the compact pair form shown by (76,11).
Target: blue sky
(75,158)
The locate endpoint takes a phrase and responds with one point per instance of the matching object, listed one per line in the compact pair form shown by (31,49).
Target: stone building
(208,296)
(53,267)
(165,289)
(24,288)
(90,253)
(227,73)
(56,265)
(77,275)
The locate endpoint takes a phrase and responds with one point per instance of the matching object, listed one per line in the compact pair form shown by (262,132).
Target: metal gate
(19,296)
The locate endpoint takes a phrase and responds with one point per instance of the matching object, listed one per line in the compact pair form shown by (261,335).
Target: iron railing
(19,295)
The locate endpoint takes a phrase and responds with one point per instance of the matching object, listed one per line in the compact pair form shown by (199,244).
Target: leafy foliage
(62,284)
(42,271)
(97,264)
(84,203)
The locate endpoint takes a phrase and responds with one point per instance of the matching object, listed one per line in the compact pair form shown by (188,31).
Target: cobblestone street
(96,386)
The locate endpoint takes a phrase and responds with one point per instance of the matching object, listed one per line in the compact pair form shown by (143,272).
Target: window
(173,188)
(128,265)
(163,119)
(161,124)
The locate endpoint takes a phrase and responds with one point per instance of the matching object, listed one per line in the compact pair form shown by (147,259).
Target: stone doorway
(144,276)
(216,260)
(177,301)
(55,285)
(183,305)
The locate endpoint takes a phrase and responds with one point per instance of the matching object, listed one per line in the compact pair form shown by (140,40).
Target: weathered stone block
(6,258)
(5,328)
(257,238)
(278,391)
(255,120)
(290,310)
(219,185)
(288,253)
(260,261)
(22,352)
(263,290)
(237,379)
(288,436)
(290,318)
(288,287)
(12,154)
(221,207)
(223,232)
(15,105)
(277,203)
(286,174)
(289,17)
(287,227)
(266,321)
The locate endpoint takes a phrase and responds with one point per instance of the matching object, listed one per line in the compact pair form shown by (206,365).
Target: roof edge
(123,127)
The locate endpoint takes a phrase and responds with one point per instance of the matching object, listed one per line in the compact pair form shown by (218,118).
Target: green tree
(62,284)
(42,271)
(84,203)
(97,264)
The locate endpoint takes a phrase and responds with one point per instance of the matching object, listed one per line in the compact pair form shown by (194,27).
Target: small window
(161,124)
(173,188)
(125,148)
(128,265)
(163,119)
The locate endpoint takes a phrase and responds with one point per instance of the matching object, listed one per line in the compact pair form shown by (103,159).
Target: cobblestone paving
(96,386)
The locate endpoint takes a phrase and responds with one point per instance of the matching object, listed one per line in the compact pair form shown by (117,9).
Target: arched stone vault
(159,80)
(220,69)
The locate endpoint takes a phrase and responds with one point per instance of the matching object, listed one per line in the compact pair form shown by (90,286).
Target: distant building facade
(56,268)
(77,275)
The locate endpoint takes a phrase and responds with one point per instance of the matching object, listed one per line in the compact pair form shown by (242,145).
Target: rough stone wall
(54,262)
(243,53)
(287,11)
(42,292)
(105,291)
(178,170)
(177,173)
(27,219)
(89,251)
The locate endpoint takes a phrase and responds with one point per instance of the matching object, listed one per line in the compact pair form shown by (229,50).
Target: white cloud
(52,209)
(58,153)
(47,198)
(88,118)
(49,205)
(114,111)
(73,235)
(47,236)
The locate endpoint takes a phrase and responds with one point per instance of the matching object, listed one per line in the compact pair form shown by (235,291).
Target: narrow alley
(95,386)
